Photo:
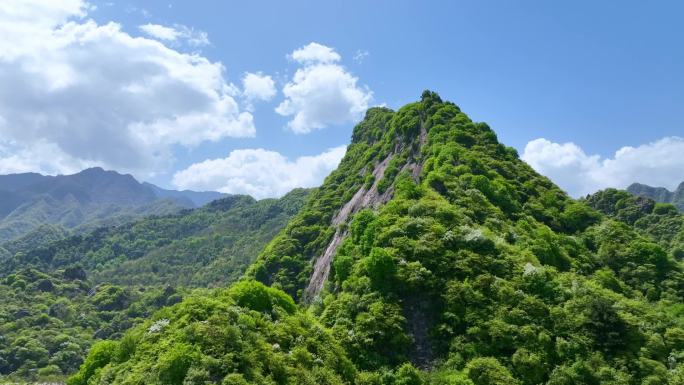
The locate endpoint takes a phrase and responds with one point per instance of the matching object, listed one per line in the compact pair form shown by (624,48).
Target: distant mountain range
(660,194)
(189,197)
(88,199)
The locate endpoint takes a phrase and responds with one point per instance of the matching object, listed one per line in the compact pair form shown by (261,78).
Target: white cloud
(43,156)
(90,94)
(258,172)
(315,53)
(257,86)
(322,92)
(176,33)
(361,55)
(660,163)
(160,31)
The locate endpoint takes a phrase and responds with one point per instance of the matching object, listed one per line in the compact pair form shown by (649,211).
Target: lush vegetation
(247,334)
(660,194)
(60,295)
(201,247)
(478,271)
(658,221)
(49,321)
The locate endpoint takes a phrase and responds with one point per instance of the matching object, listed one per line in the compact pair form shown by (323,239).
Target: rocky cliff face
(365,197)
(660,194)
(425,203)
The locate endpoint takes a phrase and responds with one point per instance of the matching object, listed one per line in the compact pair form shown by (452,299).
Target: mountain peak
(434,246)
(420,143)
(660,194)
(429,97)
(91,197)
(92,170)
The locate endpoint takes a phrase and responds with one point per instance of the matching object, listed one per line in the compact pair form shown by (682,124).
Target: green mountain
(196,198)
(84,201)
(661,222)
(432,255)
(208,246)
(660,194)
(58,298)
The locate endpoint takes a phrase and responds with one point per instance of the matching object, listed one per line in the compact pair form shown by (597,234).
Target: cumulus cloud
(176,33)
(257,86)
(322,92)
(660,163)
(40,155)
(91,94)
(315,53)
(258,172)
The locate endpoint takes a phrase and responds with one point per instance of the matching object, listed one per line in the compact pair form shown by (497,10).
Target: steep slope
(660,194)
(97,285)
(84,201)
(434,246)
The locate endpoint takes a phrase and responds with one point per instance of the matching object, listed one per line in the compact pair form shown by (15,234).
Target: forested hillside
(660,194)
(207,246)
(432,255)
(661,222)
(49,321)
(56,300)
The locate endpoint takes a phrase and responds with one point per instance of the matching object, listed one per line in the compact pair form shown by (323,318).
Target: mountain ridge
(660,194)
(432,255)
(85,200)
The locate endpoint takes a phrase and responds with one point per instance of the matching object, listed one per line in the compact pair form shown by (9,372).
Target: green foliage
(45,334)
(478,266)
(203,247)
(465,267)
(173,365)
(381,269)
(408,375)
(100,355)
(213,338)
(488,371)
(660,222)
(256,296)
(100,284)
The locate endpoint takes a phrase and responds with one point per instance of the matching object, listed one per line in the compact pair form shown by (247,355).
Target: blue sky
(566,83)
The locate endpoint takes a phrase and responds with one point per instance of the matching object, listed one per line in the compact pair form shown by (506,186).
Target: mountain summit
(432,255)
(90,198)
(660,194)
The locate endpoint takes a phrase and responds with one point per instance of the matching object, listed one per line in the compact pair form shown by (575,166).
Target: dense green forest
(202,247)
(64,294)
(432,255)
(658,221)
(49,321)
